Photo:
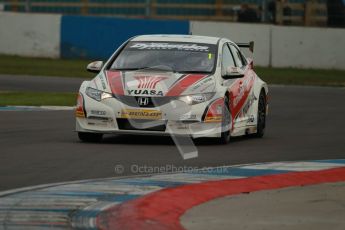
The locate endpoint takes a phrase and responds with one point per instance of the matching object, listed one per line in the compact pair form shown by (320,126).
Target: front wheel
(261,115)
(90,137)
(226,123)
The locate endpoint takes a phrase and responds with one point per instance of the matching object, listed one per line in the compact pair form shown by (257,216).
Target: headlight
(196,98)
(96,94)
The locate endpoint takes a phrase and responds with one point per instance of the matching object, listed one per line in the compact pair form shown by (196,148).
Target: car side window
(239,59)
(227,58)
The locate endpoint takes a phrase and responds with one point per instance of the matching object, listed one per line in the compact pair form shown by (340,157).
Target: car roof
(177,38)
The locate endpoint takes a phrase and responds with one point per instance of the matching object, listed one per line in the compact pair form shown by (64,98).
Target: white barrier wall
(308,47)
(284,46)
(278,46)
(238,32)
(35,35)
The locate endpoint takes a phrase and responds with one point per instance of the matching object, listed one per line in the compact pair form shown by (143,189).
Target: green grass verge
(77,68)
(290,76)
(37,99)
(44,67)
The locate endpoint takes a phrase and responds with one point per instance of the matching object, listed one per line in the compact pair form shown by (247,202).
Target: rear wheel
(90,137)
(226,123)
(261,115)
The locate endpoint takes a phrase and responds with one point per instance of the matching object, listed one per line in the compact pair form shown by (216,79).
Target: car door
(241,89)
(228,61)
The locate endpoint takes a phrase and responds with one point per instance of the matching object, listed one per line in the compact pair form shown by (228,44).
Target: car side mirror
(95,67)
(233,72)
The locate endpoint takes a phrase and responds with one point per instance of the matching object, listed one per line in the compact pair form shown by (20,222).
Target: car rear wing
(249,45)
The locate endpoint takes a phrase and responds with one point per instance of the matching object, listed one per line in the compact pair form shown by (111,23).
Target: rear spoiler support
(249,45)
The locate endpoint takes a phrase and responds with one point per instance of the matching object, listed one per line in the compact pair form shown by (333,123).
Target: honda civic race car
(173,85)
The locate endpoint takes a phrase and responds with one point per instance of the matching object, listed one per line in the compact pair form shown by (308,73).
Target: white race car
(173,85)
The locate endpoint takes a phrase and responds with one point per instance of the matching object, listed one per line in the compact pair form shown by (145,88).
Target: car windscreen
(173,56)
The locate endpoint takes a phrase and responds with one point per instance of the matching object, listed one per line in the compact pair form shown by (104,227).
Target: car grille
(152,101)
(140,124)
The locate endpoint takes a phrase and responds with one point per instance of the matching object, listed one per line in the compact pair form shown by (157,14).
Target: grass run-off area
(37,98)
(77,68)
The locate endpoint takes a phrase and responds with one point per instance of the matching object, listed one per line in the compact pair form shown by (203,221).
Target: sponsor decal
(170,46)
(101,77)
(249,103)
(239,96)
(188,117)
(240,91)
(201,83)
(147,86)
(98,112)
(205,88)
(145,92)
(147,82)
(251,119)
(98,123)
(213,119)
(141,114)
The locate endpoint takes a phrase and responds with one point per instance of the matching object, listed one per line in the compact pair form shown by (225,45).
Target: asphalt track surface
(305,123)
(39,83)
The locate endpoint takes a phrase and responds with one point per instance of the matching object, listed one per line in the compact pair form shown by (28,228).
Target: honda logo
(143,101)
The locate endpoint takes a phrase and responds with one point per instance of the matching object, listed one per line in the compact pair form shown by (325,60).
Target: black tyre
(261,115)
(90,137)
(226,123)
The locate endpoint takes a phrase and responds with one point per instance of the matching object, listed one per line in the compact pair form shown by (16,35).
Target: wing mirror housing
(95,67)
(233,72)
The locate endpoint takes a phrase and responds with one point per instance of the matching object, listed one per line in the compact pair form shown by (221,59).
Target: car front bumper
(175,118)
